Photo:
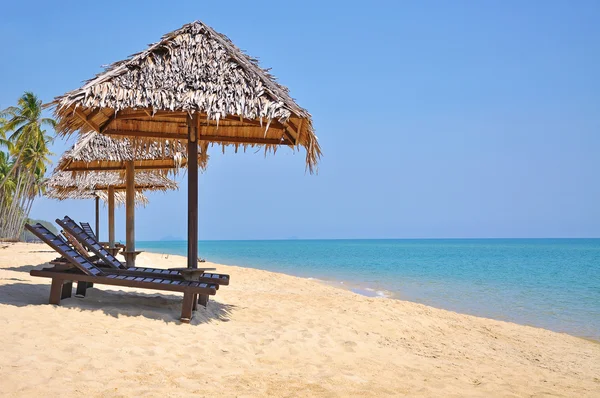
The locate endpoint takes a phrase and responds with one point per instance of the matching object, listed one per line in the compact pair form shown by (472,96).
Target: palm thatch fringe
(191,70)
(61,181)
(94,151)
(140,198)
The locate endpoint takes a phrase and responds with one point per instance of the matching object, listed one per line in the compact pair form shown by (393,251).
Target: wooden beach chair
(197,274)
(63,263)
(83,272)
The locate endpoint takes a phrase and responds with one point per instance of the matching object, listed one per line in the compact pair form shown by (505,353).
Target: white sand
(268,334)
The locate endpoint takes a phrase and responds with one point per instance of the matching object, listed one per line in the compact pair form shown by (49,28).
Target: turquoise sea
(550,283)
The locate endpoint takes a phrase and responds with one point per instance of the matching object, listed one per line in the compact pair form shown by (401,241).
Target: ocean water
(549,283)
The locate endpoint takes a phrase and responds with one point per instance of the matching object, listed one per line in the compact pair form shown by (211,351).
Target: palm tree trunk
(16,210)
(27,203)
(21,215)
(25,215)
(11,210)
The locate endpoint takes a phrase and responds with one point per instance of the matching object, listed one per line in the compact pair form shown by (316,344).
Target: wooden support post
(186,307)
(56,291)
(195,302)
(81,289)
(203,300)
(111,217)
(98,218)
(130,213)
(67,289)
(192,125)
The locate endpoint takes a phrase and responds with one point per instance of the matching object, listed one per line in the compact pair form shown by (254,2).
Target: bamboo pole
(111,217)
(130,213)
(192,125)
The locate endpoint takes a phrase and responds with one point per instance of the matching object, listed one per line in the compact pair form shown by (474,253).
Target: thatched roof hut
(63,182)
(191,72)
(97,152)
(193,88)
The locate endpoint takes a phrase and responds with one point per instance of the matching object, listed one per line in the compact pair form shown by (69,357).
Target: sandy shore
(268,334)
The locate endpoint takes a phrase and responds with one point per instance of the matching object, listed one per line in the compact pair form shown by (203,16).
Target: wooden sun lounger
(198,275)
(85,272)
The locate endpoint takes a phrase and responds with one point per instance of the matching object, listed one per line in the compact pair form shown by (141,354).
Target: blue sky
(436,118)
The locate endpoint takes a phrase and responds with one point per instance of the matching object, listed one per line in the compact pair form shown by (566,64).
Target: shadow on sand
(26,268)
(116,303)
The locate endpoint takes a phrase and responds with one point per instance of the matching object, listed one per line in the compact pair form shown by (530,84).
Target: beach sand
(267,334)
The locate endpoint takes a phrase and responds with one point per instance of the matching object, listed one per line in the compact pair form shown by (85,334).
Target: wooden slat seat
(219,279)
(85,273)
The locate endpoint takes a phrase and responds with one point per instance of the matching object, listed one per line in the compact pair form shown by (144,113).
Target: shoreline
(269,334)
(353,288)
(370,292)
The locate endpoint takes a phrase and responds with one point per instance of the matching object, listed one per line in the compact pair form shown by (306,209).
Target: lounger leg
(203,300)
(186,307)
(67,289)
(195,302)
(56,291)
(81,288)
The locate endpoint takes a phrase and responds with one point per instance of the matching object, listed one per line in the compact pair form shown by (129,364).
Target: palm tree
(35,153)
(22,169)
(25,124)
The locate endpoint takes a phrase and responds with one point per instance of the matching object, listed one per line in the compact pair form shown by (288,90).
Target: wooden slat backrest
(75,243)
(61,237)
(88,229)
(92,244)
(63,249)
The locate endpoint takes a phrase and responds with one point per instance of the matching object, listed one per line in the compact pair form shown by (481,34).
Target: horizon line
(337,239)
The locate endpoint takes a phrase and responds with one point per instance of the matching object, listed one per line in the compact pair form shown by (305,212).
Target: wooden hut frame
(194,87)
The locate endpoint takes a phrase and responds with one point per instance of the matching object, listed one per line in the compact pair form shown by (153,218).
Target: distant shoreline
(366,239)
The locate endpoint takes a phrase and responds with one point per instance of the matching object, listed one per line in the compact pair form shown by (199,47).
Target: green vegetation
(23,159)
(27,236)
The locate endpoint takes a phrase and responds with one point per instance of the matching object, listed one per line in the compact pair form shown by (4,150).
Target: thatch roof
(96,152)
(67,185)
(140,198)
(102,180)
(193,70)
